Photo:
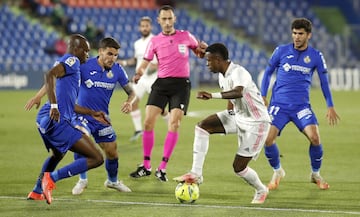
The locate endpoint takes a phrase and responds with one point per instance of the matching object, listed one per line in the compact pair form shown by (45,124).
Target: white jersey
(140,47)
(250,107)
(144,84)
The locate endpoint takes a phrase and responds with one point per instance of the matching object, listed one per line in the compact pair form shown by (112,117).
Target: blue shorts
(57,135)
(300,115)
(100,132)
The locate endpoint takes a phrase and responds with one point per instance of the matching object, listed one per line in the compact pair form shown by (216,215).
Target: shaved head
(79,46)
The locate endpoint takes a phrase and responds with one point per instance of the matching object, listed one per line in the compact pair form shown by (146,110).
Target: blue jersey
(294,74)
(97,84)
(62,135)
(67,87)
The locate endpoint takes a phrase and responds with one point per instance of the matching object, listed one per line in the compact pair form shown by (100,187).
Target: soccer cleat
(35,196)
(161,175)
(141,171)
(275,180)
(47,185)
(118,185)
(190,178)
(260,196)
(136,135)
(80,186)
(319,181)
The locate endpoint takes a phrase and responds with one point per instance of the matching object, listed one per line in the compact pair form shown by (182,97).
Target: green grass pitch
(222,194)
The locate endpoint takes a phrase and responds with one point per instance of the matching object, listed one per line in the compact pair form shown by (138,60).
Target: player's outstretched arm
(132,98)
(332,116)
(200,50)
(36,100)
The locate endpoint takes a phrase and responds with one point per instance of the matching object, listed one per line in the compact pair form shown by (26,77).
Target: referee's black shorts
(172,91)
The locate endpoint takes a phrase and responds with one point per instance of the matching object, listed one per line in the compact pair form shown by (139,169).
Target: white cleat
(118,185)
(275,180)
(80,186)
(190,178)
(260,196)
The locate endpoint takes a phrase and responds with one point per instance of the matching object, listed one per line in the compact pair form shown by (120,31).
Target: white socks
(200,148)
(252,178)
(136,118)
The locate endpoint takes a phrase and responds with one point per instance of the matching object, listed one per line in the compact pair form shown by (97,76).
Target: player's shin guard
(170,143)
(200,149)
(273,156)
(148,144)
(112,169)
(316,155)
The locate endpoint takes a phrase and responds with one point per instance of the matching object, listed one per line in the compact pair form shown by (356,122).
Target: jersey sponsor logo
(70,61)
(307,59)
(182,48)
(287,67)
(106,131)
(93,72)
(304,70)
(304,113)
(89,84)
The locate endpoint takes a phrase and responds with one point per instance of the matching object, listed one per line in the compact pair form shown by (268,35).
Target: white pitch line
(198,205)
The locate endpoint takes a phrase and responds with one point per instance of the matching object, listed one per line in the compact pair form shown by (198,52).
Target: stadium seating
(22,42)
(121,22)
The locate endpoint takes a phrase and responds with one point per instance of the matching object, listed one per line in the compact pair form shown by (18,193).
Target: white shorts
(251,135)
(144,85)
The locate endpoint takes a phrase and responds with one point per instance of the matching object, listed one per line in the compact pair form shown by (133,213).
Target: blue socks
(316,155)
(273,156)
(49,165)
(76,167)
(78,156)
(112,169)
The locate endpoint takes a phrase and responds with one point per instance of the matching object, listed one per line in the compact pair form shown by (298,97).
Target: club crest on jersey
(307,59)
(182,48)
(70,61)
(109,74)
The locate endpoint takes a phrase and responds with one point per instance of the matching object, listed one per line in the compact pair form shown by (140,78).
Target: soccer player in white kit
(246,115)
(144,84)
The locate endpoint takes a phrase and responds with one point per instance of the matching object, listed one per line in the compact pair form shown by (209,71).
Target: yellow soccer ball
(187,192)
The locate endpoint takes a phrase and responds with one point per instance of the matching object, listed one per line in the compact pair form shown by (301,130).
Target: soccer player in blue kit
(295,64)
(99,76)
(54,121)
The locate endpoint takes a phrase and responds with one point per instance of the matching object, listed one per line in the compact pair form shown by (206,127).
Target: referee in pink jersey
(172,49)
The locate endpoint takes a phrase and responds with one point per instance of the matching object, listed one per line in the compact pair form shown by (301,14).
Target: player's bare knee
(315,140)
(96,161)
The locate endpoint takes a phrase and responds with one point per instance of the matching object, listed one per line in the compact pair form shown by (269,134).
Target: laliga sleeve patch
(70,61)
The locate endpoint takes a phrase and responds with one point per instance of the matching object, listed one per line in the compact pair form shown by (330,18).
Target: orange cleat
(47,185)
(35,196)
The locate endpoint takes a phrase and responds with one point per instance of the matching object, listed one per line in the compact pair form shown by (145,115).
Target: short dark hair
(109,42)
(145,18)
(166,8)
(218,49)
(301,23)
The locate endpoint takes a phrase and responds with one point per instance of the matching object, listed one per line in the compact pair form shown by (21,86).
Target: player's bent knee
(238,167)
(95,162)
